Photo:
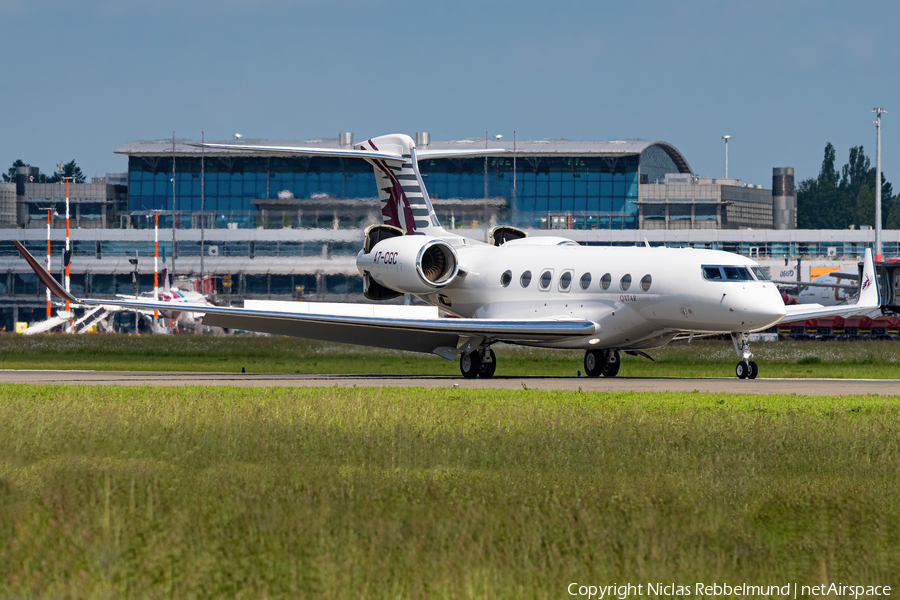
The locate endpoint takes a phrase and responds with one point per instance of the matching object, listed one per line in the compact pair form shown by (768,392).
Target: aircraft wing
(869,298)
(806,284)
(443,337)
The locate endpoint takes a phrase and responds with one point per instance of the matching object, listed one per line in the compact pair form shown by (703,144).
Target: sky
(782,78)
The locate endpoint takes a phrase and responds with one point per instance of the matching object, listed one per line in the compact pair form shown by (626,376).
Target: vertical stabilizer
(404,199)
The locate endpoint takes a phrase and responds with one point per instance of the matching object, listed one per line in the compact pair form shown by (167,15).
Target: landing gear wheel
(742,370)
(593,363)
(754,370)
(611,366)
(487,364)
(469,365)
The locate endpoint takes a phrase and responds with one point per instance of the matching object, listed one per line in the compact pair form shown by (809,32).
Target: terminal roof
(553,147)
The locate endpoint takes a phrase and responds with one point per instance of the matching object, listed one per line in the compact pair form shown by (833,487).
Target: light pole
(726,138)
(878,112)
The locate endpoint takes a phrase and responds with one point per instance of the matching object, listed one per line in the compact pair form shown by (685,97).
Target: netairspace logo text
(790,590)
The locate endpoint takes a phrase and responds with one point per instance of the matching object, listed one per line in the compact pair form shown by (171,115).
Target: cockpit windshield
(760,274)
(726,273)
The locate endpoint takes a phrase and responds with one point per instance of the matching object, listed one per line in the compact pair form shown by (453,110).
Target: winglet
(43,275)
(868,283)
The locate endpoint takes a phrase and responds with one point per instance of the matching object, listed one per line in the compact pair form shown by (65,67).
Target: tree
(832,202)
(821,206)
(865,207)
(827,174)
(820,203)
(855,173)
(10,176)
(70,169)
(892,219)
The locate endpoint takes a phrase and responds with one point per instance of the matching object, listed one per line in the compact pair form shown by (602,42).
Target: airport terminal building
(536,184)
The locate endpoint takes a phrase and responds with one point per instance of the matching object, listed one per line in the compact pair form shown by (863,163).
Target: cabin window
(585,281)
(605,281)
(625,282)
(506,278)
(525,279)
(565,281)
(546,279)
(646,281)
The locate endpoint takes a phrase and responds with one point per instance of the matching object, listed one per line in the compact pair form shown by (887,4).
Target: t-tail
(394,158)
(404,199)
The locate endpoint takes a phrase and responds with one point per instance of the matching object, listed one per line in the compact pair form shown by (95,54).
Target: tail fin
(405,202)
(868,283)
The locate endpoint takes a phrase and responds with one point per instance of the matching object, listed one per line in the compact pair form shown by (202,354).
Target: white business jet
(535,291)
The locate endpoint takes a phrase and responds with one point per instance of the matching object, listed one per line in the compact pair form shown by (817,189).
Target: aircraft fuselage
(639,297)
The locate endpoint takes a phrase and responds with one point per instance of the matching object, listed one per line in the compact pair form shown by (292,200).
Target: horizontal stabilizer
(352,153)
(429,154)
(299,150)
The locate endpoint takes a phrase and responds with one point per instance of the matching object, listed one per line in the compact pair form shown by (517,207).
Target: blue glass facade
(591,191)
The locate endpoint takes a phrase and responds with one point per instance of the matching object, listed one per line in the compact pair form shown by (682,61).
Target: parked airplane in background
(98,317)
(538,291)
(830,289)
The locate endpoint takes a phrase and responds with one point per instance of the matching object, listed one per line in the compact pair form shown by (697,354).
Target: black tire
(593,363)
(469,364)
(742,369)
(611,367)
(487,364)
(754,370)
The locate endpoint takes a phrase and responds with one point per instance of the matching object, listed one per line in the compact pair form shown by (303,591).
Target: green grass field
(202,493)
(260,354)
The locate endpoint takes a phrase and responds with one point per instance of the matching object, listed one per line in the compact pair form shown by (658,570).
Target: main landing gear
(601,362)
(746,369)
(479,363)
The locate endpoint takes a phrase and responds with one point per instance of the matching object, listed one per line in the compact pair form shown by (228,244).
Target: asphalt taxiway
(723,385)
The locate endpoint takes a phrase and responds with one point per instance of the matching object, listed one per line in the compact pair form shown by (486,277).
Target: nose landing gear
(601,362)
(746,369)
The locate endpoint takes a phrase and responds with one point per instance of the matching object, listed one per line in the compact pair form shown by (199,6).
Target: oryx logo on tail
(396,210)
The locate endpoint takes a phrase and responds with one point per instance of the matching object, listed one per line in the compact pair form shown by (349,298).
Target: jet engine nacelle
(410,264)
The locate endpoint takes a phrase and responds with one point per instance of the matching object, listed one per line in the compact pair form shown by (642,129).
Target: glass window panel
(618,185)
(579,187)
(606,188)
